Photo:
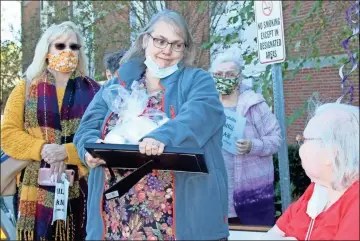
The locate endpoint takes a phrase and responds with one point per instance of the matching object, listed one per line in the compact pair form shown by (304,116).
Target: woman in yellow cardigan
(40,119)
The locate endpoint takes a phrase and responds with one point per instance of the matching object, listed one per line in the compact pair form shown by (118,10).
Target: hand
(151,146)
(53,153)
(243,146)
(57,168)
(93,162)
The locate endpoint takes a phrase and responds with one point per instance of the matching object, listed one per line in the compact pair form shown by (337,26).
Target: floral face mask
(226,86)
(65,61)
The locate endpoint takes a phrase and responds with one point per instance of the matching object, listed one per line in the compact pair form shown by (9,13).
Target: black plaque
(123,156)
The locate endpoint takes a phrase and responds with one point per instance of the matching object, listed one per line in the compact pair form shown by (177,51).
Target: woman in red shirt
(329,152)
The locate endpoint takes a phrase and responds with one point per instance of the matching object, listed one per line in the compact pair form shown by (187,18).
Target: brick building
(326,80)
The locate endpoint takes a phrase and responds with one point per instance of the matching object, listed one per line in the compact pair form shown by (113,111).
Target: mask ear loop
(240,78)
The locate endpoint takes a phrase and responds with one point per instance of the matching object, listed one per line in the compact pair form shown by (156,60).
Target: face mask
(65,61)
(158,72)
(226,86)
(317,201)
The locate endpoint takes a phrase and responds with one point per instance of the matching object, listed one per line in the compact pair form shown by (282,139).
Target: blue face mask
(158,72)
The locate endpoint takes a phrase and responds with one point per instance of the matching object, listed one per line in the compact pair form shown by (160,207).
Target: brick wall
(199,26)
(326,81)
(31,30)
(328,44)
(297,91)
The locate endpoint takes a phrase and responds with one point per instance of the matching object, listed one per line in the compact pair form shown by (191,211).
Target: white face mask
(316,205)
(317,201)
(158,72)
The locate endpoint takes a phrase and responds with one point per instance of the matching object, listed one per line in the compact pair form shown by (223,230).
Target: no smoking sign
(267,7)
(270,31)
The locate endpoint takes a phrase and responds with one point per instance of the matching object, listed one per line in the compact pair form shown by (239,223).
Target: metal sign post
(283,156)
(271,50)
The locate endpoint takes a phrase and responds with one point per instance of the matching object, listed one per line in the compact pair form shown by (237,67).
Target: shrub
(298,179)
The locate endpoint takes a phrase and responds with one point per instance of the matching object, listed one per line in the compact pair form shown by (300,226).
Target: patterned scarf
(43,121)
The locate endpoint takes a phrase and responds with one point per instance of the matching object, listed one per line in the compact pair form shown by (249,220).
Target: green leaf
(294,12)
(248,59)
(308,77)
(206,45)
(297,113)
(228,37)
(235,19)
(286,65)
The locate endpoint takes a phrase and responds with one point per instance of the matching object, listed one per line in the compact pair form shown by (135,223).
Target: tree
(99,19)
(106,27)
(10,69)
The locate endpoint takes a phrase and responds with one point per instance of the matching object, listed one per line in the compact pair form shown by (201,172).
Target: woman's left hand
(52,153)
(150,146)
(243,146)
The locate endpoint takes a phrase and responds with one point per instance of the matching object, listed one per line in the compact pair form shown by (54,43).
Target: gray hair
(341,135)
(181,28)
(227,57)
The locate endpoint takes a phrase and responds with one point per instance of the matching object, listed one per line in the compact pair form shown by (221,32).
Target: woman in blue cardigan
(163,205)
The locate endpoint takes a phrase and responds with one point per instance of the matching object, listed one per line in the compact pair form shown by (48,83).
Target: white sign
(270,31)
(61,199)
(233,130)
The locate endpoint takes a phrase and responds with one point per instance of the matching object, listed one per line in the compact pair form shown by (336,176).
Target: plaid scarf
(43,120)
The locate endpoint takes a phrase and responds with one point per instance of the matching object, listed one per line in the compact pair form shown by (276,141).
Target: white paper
(61,199)
(233,130)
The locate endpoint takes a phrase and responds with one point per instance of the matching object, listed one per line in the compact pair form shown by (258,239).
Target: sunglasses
(300,139)
(62,46)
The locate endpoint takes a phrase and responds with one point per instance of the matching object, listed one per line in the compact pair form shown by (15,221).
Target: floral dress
(146,211)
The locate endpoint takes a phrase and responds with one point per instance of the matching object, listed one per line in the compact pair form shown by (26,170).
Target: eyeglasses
(162,43)
(62,46)
(227,75)
(300,139)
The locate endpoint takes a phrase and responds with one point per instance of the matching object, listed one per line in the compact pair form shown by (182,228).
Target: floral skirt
(145,212)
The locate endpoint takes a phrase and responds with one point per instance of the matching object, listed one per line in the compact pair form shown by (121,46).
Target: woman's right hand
(93,162)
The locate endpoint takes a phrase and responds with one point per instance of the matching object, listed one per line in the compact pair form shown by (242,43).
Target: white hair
(55,31)
(180,26)
(341,135)
(225,58)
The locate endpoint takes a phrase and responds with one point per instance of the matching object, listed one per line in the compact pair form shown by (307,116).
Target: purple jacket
(253,173)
